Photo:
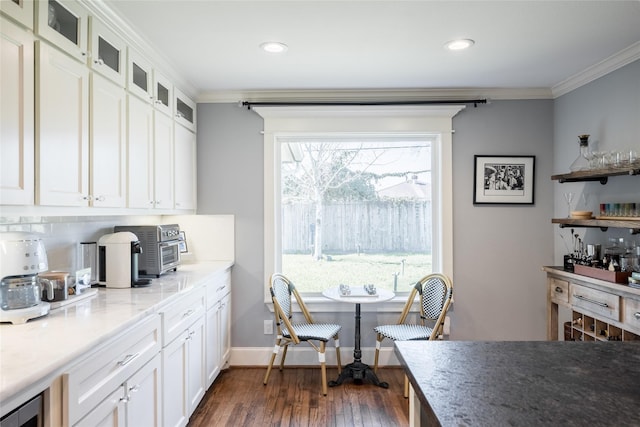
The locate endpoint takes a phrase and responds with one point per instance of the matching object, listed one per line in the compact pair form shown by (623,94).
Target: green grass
(352,269)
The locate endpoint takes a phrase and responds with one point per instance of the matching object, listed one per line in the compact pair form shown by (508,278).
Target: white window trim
(423,119)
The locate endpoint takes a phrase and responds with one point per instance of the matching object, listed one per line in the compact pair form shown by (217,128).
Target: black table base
(357,370)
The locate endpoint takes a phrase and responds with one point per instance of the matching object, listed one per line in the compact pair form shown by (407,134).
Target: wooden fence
(370,227)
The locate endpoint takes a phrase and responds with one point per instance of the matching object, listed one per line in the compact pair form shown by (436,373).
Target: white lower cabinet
(135,403)
(183,358)
(218,318)
(119,383)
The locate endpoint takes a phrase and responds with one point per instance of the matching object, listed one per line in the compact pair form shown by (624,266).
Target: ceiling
(359,45)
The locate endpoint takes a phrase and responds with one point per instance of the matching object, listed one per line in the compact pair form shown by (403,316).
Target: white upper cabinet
(108,149)
(163,162)
(62,129)
(139,77)
(185,168)
(20,10)
(140,179)
(65,24)
(16,115)
(163,93)
(185,110)
(108,52)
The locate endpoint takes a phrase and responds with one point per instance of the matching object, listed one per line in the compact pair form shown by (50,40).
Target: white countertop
(34,353)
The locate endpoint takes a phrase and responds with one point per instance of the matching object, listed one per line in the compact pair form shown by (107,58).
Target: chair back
(436,291)
(281,291)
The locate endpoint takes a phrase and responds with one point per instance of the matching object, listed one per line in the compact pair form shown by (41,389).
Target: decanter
(582,162)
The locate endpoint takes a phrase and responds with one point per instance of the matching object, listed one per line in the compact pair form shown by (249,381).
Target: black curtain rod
(250,104)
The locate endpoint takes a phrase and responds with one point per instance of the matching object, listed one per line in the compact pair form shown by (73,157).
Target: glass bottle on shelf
(582,162)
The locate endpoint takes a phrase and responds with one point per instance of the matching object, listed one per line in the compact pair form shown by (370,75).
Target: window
(368,150)
(355,209)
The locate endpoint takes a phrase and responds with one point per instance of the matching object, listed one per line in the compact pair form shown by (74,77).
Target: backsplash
(62,234)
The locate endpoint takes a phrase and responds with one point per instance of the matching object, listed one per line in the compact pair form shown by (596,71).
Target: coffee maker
(22,257)
(118,260)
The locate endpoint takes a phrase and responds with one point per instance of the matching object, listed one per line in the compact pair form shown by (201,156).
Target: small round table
(357,370)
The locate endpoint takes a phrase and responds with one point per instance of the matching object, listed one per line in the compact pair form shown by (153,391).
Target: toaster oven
(160,247)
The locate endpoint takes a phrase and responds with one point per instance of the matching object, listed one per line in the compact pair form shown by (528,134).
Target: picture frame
(182,244)
(504,180)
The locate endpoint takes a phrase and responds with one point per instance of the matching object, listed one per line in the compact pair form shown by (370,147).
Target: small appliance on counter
(118,260)
(54,285)
(160,247)
(22,257)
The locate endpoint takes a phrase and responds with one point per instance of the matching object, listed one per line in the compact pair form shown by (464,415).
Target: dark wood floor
(293,398)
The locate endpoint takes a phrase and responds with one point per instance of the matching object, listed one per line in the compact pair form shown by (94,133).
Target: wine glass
(568,197)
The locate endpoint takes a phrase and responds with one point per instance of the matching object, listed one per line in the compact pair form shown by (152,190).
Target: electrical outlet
(268,327)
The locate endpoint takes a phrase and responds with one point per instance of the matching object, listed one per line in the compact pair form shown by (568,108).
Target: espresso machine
(118,260)
(22,257)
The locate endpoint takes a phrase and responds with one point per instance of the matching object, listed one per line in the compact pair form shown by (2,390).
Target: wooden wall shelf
(601,175)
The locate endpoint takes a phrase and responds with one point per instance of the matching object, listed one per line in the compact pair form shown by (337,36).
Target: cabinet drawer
(596,302)
(632,314)
(218,287)
(559,291)
(106,369)
(181,314)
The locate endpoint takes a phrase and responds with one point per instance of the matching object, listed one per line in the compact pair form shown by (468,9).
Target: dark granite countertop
(528,383)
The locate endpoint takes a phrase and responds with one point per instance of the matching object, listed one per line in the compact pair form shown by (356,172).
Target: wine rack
(588,328)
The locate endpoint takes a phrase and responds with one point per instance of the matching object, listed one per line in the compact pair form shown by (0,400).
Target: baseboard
(303,355)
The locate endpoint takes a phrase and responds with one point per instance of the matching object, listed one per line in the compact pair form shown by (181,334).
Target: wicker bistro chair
(436,291)
(316,334)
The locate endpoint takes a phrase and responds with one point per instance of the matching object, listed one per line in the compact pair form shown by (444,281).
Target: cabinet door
(109,413)
(163,93)
(225,331)
(62,129)
(16,114)
(140,154)
(196,384)
(108,52)
(163,161)
(174,383)
(143,395)
(108,143)
(185,168)
(139,76)
(185,110)
(212,352)
(65,24)
(20,10)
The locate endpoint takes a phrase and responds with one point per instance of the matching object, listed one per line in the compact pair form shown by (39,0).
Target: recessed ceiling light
(274,47)
(459,44)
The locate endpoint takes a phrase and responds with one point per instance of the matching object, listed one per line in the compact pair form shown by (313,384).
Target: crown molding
(612,63)
(373,95)
(121,27)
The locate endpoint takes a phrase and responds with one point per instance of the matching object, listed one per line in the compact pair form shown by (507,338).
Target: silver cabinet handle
(127,359)
(135,388)
(637,315)
(601,304)
(100,199)
(559,289)
(99,61)
(188,313)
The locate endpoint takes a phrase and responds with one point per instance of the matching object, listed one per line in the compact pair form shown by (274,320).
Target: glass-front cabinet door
(185,110)
(163,93)
(65,24)
(107,52)
(20,10)
(139,80)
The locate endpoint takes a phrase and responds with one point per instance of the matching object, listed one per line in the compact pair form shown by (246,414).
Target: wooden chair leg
(406,386)
(379,339)
(272,359)
(284,356)
(323,367)
(337,341)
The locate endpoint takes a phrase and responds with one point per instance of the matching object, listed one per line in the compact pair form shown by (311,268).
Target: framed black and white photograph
(182,244)
(503,179)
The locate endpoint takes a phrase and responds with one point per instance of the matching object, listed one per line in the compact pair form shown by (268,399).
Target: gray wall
(608,109)
(499,288)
